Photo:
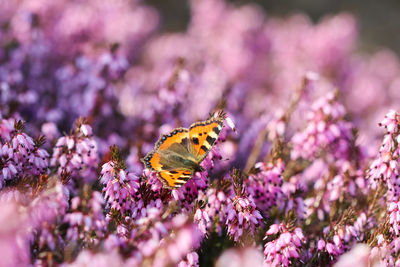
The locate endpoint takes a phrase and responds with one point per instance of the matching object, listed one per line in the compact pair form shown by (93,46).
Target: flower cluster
(385,167)
(20,155)
(283,248)
(266,185)
(120,187)
(325,129)
(76,154)
(86,219)
(242,214)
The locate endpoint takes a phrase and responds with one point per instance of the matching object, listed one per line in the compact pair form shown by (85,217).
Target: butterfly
(177,155)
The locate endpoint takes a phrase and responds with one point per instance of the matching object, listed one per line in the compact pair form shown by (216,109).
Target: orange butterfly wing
(203,135)
(174,178)
(153,160)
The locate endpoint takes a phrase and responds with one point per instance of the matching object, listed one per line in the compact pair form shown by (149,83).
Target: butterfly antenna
(222,114)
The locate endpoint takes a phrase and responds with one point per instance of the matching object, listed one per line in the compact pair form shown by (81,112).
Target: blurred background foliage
(379,21)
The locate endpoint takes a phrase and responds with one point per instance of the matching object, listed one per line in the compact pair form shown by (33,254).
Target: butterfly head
(199,168)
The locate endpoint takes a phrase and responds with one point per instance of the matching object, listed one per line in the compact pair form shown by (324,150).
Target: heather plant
(305,171)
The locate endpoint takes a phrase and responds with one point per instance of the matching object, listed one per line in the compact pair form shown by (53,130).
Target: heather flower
(242,214)
(30,223)
(203,220)
(190,191)
(215,209)
(192,260)
(266,186)
(385,167)
(86,219)
(284,245)
(326,130)
(19,153)
(394,217)
(77,153)
(46,211)
(13,236)
(247,257)
(182,241)
(381,252)
(49,129)
(120,187)
(359,254)
(154,182)
(344,234)
(49,204)
(86,258)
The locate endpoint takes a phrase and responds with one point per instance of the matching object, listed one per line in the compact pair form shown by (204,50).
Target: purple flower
(192,260)
(286,246)
(179,244)
(360,254)
(266,186)
(385,167)
(242,216)
(86,219)
(247,257)
(120,188)
(19,153)
(13,234)
(215,210)
(98,259)
(326,129)
(77,154)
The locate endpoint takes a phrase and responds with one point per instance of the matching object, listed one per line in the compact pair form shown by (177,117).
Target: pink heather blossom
(326,129)
(385,167)
(358,255)
(76,154)
(86,258)
(394,217)
(217,202)
(247,257)
(13,234)
(242,216)
(286,246)
(203,220)
(87,221)
(49,129)
(192,260)
(181,242)
(19,153)
(120,187)
(266,185)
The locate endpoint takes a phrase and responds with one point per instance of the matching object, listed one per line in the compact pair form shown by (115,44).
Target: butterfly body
(178,155)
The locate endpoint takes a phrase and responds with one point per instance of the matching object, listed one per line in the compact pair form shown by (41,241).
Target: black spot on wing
(205,149)
(216,130)
(210,140)
(195,140)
